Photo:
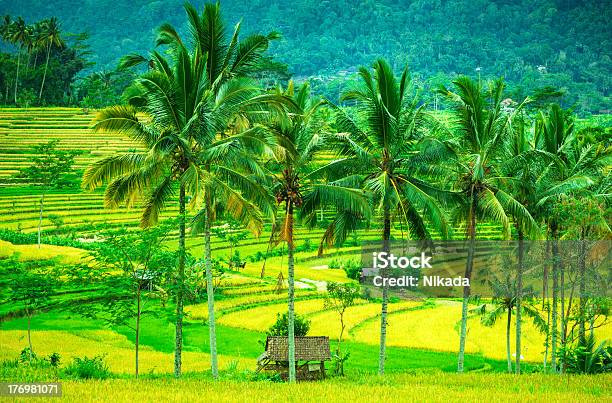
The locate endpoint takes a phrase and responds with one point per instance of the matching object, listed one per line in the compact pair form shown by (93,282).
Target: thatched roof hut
(307,348)
(312,351)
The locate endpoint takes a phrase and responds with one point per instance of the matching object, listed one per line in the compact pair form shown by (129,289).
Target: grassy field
(435,387)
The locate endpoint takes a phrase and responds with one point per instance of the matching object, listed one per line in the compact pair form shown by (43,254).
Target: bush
(88,368)
(306,246)
(20,238)
(586,357)
(334,264)
(280,327)
(27,356)
(54,359)
(352,269)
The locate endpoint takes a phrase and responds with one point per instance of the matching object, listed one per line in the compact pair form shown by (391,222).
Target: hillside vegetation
(534,44)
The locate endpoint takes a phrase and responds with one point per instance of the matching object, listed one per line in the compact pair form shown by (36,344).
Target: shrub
(21,238)
(27,356)
(334,264)
(306,246)
(88,368)
(352,269)
(280,327)
(586,357)
(54,359)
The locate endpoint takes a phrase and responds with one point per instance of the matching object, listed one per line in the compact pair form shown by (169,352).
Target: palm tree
(574,170)
(303,135)
(480,128)
(5,35)
(521,164)
(5,28)
(18,36)
(50,37)
(381,153)
(29,43)
(202,98)
(505,301)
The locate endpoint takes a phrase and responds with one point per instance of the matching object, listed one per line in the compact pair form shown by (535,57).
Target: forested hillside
(534,44)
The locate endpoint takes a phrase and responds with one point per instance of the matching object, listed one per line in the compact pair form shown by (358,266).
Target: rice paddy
(421,334)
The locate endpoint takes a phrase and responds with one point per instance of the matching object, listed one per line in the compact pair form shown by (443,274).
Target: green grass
(158,333)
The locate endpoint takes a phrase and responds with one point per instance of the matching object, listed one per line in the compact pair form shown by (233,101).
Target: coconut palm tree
(574,170)
(296,184)
(50,37)
(479,129)
(383,151)
(172,136)
(521,164)
(5,27)
(200,105)
(5,35)
(505,301)
(18,35)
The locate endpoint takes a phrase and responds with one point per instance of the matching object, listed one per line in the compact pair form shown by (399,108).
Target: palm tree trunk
(519,296)
(40,216)
(210,293)
(508,355)
(563,321)
(468,274)
(582,289)
(137,341)
(17,73)
(178,340)
(45,73)
(385,294)
(291,292)
(546,304)
(555,302)
(31,352)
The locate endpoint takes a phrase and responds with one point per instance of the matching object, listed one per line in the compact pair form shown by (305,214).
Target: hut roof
(307,348)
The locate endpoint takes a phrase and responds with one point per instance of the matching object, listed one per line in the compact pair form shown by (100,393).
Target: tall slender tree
(505,301)
(521,163)
(480,127)
(198,105)
(17,36)
(382,152)
(50,37)
(5,35)
(303,135)
(574,170)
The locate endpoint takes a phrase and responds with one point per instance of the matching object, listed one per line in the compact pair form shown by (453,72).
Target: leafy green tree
(381,152)
(51,168)
(232,234)
(30,286)
(479,128)
(296,183)
(341,296)
(130,267)
(281,326)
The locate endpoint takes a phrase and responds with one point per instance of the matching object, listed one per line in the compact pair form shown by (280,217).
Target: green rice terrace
(248,300)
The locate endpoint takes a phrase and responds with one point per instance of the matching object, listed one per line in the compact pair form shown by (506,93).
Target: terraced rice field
(117,349)
(20,129)
(246,306)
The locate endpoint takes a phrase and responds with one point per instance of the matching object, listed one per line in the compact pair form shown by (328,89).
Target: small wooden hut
(311,352)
